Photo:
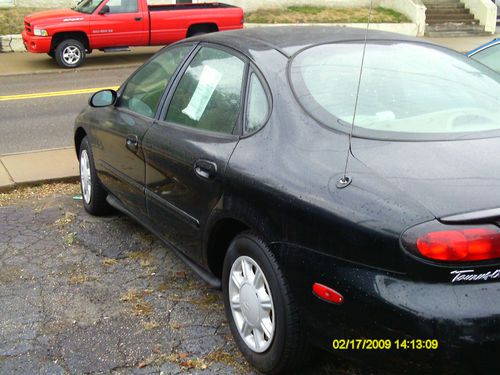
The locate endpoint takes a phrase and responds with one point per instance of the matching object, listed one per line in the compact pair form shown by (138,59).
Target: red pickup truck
(114,25)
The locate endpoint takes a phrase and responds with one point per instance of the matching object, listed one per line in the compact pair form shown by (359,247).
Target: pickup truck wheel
(70,53)
(263,317)
(93,193)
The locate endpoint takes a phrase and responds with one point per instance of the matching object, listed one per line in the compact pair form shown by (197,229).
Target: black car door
(188,149)
(119,155)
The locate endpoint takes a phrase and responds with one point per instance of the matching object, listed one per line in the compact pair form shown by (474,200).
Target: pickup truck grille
(27,27)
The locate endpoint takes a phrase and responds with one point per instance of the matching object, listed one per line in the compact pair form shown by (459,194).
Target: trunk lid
(447,177)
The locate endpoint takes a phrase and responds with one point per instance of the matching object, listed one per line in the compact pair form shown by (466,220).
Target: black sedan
(232,148)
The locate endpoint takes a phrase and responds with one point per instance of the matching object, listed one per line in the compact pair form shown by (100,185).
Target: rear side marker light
(472,244)
(327,294)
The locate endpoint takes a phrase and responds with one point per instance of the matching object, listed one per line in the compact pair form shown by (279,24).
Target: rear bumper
(464,319)
(36,44)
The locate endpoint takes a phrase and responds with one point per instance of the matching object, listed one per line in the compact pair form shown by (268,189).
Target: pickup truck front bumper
(36,44)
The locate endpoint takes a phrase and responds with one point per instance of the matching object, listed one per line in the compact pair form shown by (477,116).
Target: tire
(283,344)
(70,53)
(93,193)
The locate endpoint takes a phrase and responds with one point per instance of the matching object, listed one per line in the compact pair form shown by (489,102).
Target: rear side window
(208,95)
(489,57)
(257,107)
(122,6)
(144,90)
(406,88)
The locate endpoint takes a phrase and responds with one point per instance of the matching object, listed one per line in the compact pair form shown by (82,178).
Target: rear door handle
(132,143)
(205,169)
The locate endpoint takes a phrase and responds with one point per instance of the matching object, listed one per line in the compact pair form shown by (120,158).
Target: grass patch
(314,14)
(12,19)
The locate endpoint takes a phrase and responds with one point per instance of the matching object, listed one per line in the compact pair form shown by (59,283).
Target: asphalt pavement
(36,122)
(76,300)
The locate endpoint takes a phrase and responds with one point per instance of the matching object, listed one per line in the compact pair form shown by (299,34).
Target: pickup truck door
(188,149)
(122,127)
(125,24)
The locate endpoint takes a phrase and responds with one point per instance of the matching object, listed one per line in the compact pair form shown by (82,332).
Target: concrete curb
(37,166)
(405,28)
(12,43)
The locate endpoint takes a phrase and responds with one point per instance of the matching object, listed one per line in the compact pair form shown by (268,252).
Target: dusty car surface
(231,148)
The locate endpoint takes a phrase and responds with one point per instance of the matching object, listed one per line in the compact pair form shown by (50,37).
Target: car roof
(290,39)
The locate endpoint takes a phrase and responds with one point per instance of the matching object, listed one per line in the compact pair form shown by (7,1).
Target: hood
(51,16)
(446,177)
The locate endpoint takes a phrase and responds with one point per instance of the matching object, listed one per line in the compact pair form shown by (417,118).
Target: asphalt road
(46,122)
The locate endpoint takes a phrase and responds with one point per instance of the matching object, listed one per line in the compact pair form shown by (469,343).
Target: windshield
(87,6)
(405,88)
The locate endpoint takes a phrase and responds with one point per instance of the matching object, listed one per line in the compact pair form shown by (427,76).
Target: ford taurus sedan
(232,148)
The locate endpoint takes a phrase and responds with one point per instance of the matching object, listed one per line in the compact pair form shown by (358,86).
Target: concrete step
(452,29)
(450,17)
(447,20)
(448,11)
(445,6)
(454,34)
(437,2)
(451,26)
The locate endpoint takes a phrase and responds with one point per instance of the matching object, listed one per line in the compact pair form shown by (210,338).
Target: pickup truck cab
(114,25)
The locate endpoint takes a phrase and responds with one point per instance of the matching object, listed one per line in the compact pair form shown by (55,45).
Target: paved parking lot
(80,294)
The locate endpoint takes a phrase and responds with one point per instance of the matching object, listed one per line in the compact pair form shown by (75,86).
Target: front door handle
(205,169)
(132,143)
(138,18)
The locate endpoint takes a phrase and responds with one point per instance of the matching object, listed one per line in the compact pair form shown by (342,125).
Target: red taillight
(460,245)
(327,294)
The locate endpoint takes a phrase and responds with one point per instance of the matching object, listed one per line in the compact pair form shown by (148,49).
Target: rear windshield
(406,89)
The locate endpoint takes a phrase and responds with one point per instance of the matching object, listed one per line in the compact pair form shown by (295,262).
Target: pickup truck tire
(70,53)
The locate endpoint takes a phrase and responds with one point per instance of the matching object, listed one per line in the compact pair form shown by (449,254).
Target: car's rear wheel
(262,315)
(93,193)
(70,53)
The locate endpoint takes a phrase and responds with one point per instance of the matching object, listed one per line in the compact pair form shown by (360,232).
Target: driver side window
(144,90)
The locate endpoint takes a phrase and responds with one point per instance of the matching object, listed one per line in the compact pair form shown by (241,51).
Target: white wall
(485,11)
(45,3)
(6,3)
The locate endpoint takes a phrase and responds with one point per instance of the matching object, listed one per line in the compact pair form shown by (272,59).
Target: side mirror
(104,10)
(103,98)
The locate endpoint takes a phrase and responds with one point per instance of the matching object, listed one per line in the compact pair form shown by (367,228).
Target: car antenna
(345,180)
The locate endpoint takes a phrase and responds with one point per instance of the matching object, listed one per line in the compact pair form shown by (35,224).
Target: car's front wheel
(262,315)
(93,193)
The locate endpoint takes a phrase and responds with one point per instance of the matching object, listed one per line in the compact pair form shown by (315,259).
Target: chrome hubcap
(71,55)
(85,177)
(251,304)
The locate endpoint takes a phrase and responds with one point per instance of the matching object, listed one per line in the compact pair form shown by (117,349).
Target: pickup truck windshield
(87,6)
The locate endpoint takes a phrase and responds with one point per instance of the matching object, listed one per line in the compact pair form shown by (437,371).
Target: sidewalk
(35,166)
